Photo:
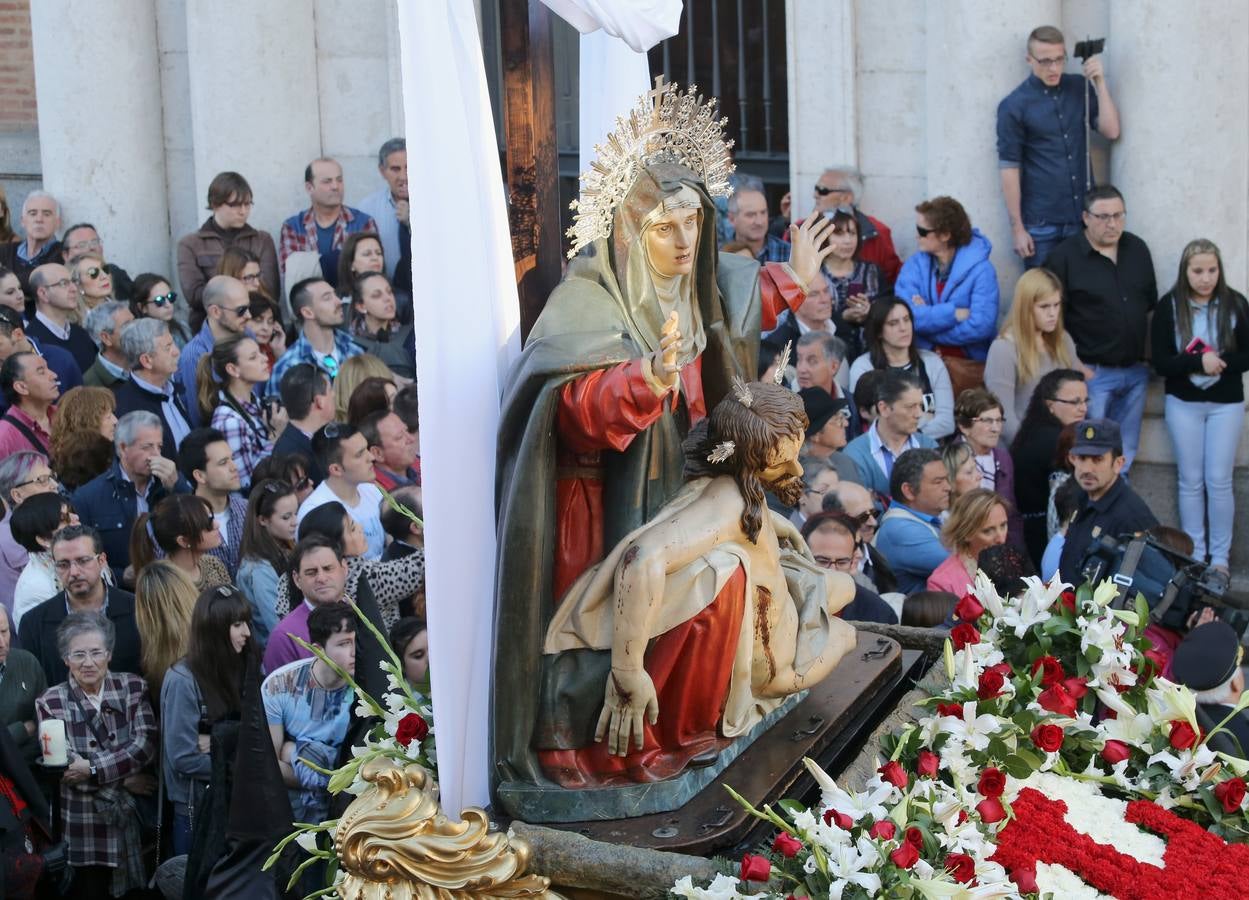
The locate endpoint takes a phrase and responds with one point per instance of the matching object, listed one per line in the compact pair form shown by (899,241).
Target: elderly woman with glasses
(980,418)
(111,734)
(22,475)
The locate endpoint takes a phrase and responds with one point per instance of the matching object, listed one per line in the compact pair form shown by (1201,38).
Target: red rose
(992,783)
(786,845)
(1048,737)
(884,830)
(755,868)
(915,838)
(961,866)
(1183,737)
(1025,880)
(840,819)
(990,684)
(1068,599)
(950,709)
(1076,687)
(1051,671)
(927,764)
(893,773)
(905,856)
(411,728)
(1230,793)
(1058,700)
(990,810)
(1115,752)
(1003,669)
(963,634)
(969,609)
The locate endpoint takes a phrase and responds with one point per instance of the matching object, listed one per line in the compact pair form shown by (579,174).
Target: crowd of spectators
(954,433)
(201,470)
(189,484)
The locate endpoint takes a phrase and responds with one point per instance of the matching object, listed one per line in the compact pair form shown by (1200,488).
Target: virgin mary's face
(672,240)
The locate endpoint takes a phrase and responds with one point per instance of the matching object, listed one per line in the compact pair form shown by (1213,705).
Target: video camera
(1089,47)
(1174,585)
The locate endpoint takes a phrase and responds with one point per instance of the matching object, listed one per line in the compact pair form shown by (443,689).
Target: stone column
(254,100)
(1182,162)
(823,117)
(975,51)
(97,81)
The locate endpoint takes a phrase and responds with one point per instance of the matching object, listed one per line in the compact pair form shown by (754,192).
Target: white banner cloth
(614,71)
(467,336)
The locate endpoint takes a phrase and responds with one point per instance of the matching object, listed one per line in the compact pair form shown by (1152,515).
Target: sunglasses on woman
(96,272)
(163,299)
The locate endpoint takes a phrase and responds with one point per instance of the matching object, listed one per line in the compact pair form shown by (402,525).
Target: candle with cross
(52,742)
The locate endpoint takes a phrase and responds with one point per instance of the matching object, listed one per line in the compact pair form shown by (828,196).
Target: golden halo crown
(664,124)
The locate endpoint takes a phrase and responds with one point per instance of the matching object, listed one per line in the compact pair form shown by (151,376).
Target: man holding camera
(1109,506)
(1042,142)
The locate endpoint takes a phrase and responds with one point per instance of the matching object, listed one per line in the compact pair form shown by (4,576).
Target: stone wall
(196,87)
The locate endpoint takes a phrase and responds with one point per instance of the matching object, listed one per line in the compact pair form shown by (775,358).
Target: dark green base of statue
(691,813)
(550,803)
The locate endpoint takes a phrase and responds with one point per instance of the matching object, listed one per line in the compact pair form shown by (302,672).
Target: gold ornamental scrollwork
(395,843)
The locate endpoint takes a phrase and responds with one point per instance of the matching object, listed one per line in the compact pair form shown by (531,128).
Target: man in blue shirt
(1041,145)
(899,408)
(910,532)
(226,313)
(322,342)
(388,206)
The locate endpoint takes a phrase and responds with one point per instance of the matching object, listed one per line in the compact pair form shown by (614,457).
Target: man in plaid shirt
(322,341)
(325,225)
(111,734)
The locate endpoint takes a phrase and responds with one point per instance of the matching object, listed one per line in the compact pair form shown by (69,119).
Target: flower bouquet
(1056,761)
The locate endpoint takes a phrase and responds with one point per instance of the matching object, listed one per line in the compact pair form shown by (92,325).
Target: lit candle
(52,742)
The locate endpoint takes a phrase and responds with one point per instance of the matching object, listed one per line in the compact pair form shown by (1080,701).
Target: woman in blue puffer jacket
(950,283)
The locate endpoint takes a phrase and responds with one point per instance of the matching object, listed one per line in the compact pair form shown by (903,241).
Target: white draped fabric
(467,328)
(614,71)
(467,336)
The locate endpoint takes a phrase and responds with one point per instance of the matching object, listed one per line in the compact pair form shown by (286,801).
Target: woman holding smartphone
(854,283)
(1200,338)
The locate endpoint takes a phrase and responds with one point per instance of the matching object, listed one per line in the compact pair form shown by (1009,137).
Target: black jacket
(131,397)
(38,635)
(1175,365)
(1119,511)
(109,504)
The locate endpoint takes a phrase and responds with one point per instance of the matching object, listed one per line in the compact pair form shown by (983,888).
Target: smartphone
(1197,347)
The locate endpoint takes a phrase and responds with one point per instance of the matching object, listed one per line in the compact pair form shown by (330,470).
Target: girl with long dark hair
(181,528)
(200,690)
(226,381)
(1200,342)
(890,334)
(268,539)
(1061,398)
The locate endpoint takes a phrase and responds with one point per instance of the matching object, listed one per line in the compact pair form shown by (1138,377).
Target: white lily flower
(1169,701)
(1025,615)
(987,594)
(1130,727)
(1104,593)
(855,805)
(1186,766)
(846,865)
(1100,632)
(967,677)
(971,729)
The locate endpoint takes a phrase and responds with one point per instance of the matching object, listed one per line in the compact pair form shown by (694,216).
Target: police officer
(1108,506)
(1207,662)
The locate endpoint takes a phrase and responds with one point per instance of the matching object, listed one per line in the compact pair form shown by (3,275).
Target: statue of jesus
(711,614)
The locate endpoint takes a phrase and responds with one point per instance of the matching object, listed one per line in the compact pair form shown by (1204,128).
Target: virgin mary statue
(644,334)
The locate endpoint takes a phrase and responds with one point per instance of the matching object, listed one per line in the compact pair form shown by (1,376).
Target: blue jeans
(181,837)
(1205,436)
(1044,239)
(1119,393)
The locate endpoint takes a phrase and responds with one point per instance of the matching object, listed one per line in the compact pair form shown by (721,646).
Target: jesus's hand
(630,696)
